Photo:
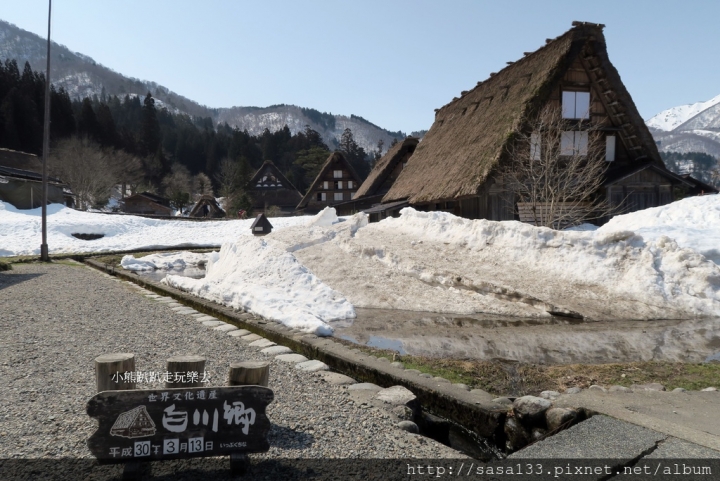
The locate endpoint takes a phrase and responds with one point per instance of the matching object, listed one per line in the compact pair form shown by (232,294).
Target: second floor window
(338,185)
(575,105)
(337,174)
(574,143)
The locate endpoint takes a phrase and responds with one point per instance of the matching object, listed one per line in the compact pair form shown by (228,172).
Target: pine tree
(150,127)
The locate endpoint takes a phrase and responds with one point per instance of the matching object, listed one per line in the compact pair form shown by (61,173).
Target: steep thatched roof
(385,166)
(268,165)
(214,209)
(335,156)
(470,134)
(20,160)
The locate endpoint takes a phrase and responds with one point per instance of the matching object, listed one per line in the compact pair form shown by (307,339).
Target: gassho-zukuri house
(455,167)
(336,182)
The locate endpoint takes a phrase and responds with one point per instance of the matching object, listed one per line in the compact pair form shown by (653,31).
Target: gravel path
(55,319)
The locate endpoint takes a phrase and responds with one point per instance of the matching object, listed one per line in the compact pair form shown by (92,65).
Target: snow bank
(260,276)
(324,218)
(693,223)
(166,261)
(20,231)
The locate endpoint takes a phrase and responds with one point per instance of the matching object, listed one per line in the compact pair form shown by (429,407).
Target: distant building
(269,187)
(21,182)
(147,203)
(207,207)
(335,183)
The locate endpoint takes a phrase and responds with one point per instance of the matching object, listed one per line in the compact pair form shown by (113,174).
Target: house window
(610,148)
(350,184)
(337,174)
(535,146)
(338,184)
(338,196)
(321,196)
(326,185)
(574,143)
(575,105)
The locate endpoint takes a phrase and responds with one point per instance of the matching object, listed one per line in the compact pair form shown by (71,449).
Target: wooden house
(21,182)
(456,166)
(207,207)
(378,183)
(147,203)
(335,183)
(269,187)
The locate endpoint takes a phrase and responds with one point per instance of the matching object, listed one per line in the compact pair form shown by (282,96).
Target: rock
(212,323)
(441,380)
(262,343)
(556,417)
(398,365)
(549,394)
(573,390)
(251,337)
(595,387)
(275,350)
(364,386)
(462,386)
(679,389)
(291,358)
(412,371)
(239,333)
(403,412)
(530,409)
(397,395)
(312,366)
(335,378)
(203,318)
(648,387)
(480,392)
(226,328)
(426,375)
(517,436)
(503,401)
(409,426)
(538,434)
(709,389)
(617,388)
(383,359)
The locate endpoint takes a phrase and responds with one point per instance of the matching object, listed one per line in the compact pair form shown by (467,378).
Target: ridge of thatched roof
(470,134)
(385,167)
(279,175)
(325,167)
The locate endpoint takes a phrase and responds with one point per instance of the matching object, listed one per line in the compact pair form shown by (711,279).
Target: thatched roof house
(454,168)
(21,182)
(207,207)
(336,182)
(269,187)
(147,203)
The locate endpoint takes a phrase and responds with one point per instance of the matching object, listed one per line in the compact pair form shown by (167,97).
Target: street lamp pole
(46,147)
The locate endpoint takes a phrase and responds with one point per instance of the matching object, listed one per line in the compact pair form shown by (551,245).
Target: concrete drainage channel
(469,421)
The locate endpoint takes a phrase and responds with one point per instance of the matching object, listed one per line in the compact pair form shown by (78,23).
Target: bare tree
(91,171)
(202,185)
(556,171)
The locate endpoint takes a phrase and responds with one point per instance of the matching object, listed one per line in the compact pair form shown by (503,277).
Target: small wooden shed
(261,225)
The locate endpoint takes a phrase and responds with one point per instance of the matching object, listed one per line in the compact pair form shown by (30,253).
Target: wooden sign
(145,425)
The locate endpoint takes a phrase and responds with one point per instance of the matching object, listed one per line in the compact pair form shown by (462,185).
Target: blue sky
(391,62)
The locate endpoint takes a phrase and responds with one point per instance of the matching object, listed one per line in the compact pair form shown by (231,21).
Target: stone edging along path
(473,410)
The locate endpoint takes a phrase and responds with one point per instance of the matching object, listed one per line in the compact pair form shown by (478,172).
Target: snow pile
(260,276)
(324,218)
(671,118)
(693,223)
(165,261)
(20,231)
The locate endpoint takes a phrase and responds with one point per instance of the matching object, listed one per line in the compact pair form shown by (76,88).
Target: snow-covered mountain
(83,77)
(688,128)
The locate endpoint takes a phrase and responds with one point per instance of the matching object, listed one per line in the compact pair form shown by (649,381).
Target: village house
(147,203)
(335,183)
(21,182)
(456,166)
(207,207)
(269,187)
(369,196)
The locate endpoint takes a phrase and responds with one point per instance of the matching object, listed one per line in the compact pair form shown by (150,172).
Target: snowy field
(660,263)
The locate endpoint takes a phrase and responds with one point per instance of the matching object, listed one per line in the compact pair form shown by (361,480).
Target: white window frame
(326,185)
(349,184)
(575,105)
(535,146)
(610,143)
(323,197)
(338,185)
(574,143)
(338,196)
(337,174)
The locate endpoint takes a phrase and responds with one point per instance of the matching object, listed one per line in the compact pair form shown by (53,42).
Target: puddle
(158,275)
(557,340)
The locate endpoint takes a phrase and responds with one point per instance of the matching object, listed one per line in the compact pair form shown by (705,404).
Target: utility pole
(44,256)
